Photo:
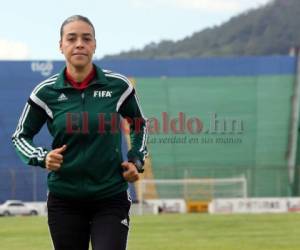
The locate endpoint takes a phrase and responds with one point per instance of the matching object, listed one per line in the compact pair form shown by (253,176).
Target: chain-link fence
(262,181)
(29,184)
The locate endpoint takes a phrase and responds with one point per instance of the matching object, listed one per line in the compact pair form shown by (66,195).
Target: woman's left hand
(130,173)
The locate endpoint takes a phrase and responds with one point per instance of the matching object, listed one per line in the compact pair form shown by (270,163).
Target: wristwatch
(138,164)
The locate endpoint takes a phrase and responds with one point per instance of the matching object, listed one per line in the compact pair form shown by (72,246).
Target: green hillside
(269,30)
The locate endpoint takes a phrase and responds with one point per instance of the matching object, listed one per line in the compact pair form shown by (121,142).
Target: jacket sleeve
(131,111)
(31,121)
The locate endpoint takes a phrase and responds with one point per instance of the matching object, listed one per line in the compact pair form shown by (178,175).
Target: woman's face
(78,44)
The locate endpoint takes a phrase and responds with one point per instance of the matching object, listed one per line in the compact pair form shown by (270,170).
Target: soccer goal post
(191,189)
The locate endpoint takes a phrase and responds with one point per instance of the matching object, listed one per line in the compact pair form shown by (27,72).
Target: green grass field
(174,232)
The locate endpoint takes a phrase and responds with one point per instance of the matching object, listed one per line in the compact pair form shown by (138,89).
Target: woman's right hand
(54,158)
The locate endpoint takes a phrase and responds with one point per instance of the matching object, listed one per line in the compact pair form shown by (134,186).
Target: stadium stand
(243,104)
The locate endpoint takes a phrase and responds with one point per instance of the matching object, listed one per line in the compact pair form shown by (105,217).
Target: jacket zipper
(81,172)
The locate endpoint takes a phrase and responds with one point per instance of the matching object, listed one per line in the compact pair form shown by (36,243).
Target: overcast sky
(30,28)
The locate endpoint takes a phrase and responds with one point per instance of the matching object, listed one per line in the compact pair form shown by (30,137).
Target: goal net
(174,194)
(192,189)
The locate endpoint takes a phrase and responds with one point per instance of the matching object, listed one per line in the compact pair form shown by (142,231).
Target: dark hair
(76,18)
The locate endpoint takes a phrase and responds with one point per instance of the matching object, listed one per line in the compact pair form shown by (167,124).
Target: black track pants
(74,223)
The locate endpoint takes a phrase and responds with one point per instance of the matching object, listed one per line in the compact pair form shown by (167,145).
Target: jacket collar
(61,80)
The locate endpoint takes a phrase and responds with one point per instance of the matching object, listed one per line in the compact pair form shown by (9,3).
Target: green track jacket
(89,123)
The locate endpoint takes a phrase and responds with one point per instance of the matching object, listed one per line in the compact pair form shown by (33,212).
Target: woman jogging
(87,178)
